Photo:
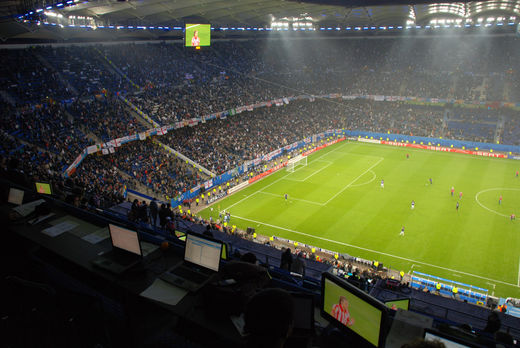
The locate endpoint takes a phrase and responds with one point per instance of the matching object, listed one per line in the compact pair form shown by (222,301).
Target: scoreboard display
(197,35)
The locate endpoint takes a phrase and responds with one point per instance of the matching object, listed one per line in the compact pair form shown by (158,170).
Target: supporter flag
(162,130)
(125,193)
(311,99)
(142,136)
(278,102)
(286,101)
(249,107)
(188,76)
(232,112)
(93,148)
(117,142)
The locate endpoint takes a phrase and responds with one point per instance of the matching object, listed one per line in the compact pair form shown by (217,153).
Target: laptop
(201,263)
(15,196)
(449,341)
(303,321)
(126,251)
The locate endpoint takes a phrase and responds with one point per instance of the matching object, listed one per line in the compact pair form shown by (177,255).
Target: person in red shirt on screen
(195,40)
(340,312)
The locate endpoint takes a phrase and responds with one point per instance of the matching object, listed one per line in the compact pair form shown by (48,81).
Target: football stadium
(277,173)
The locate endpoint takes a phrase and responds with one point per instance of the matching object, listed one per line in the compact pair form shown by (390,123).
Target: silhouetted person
(163,214)
(154,210)
(298,265)
(287,260)
(269,318)
(493,323)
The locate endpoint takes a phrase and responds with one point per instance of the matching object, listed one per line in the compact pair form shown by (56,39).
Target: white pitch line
(352,182)
(368,182)
(243,199)
(274,182)
(296,199)
(377,252)
(494,189)
(316,172)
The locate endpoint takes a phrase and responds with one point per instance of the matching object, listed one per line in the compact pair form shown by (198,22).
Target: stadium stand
(57,101)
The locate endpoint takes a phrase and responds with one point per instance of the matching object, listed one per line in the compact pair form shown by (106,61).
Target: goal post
(299,160)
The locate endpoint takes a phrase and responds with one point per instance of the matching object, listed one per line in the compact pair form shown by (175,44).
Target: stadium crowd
(58,100)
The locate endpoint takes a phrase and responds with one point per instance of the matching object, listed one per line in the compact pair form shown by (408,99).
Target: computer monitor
(180,235)
(353,310)
(125,239)
(43,188)
(15,196)
(449,341)
(203,251)
(403,303)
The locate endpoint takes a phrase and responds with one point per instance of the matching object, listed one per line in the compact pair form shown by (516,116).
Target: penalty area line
(283,177)
(378,252)
(353,181)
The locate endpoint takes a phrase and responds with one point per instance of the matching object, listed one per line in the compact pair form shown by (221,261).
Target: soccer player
(407,156)
(460,195)
(452,191)
(513,217)
(457,207)
(500,200)
(195,40)
(382,183)
(517,173)
(431,181)
(286,195)
(340,312)
(402,231)
(413,204)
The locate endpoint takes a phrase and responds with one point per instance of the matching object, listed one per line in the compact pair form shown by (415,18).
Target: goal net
(296,161)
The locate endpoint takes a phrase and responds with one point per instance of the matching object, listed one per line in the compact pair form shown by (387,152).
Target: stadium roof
(20,18)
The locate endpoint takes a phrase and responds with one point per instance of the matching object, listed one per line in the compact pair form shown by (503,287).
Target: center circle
(494,189)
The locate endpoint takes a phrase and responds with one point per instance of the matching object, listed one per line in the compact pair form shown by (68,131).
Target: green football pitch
(336,202)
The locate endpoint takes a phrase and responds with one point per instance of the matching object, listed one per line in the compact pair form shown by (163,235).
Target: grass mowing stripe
(377,252)
(353,181)
(472,239)
(274,182)
(316,172)
(290,198)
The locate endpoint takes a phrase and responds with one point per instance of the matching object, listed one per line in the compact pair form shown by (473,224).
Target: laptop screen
(125,239)
(43,188)
(203,252)
(15,196)
(450,342)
